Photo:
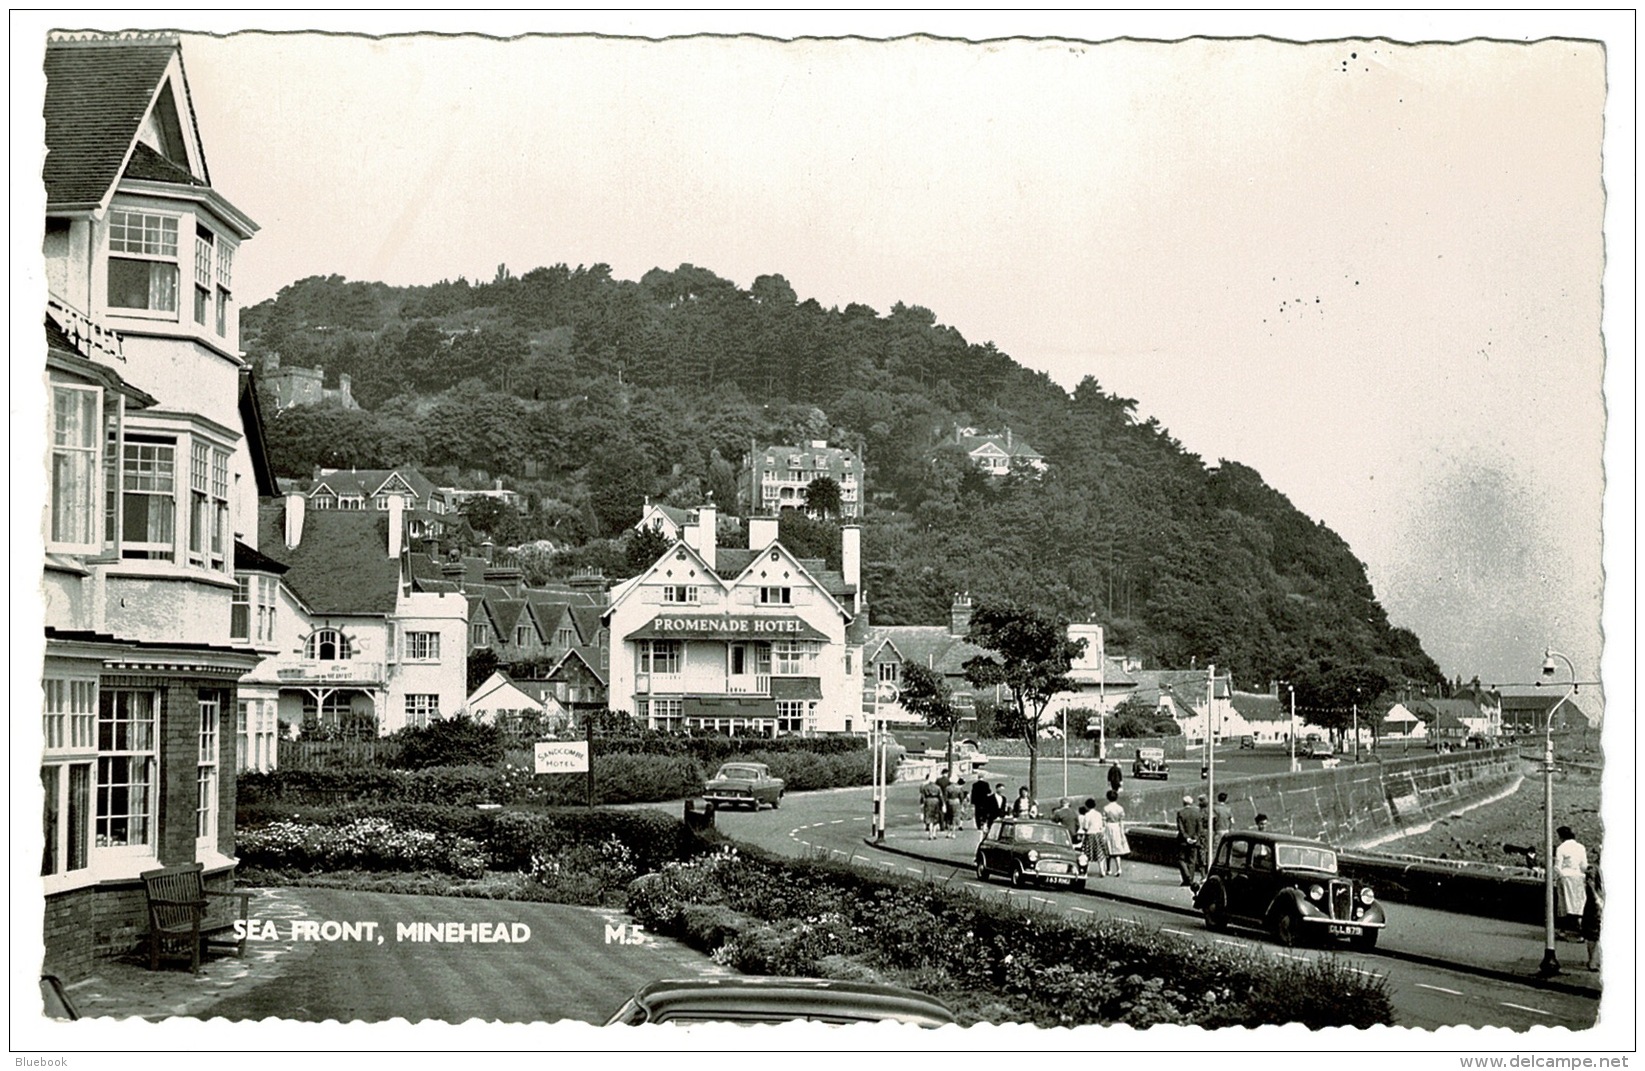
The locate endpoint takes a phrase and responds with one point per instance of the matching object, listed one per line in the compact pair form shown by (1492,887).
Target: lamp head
(1548,666)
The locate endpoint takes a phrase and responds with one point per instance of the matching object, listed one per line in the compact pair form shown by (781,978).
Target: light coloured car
(744,784)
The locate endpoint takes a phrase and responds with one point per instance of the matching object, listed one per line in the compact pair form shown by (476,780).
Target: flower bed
(989,960)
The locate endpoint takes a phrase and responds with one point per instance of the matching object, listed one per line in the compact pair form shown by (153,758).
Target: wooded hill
(590,393)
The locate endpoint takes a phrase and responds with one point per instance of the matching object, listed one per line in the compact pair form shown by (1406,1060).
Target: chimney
(708,532)
(396,525)
(488,551)
(762,532)
(456,572)
(1008,437)
(851,555)
(959,615)
(296,505)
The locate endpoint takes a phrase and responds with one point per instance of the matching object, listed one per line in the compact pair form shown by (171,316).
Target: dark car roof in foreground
(766,999)
(1280,838)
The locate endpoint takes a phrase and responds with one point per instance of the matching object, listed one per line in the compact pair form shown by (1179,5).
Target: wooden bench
(184,913)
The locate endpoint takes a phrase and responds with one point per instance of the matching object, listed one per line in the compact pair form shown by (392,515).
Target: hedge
(768,915)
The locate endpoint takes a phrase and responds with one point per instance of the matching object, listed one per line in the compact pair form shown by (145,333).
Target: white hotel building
(740,641)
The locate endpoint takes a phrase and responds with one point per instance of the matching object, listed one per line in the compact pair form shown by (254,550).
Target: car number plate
(1347,931)
(1054,880)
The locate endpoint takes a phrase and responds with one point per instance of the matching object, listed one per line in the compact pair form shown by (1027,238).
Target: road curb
(1552,985)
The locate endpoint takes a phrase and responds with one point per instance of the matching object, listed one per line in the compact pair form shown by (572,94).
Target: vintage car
(964,751)
(1150,763)
(757,999)
(1247,742)
(1290,887)
(1317,749)
(1032,851)
(744,784)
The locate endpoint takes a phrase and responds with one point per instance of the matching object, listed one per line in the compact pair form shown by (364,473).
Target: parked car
(1247,742)
(1032,851)
(1150,764)
(745,999)
(1290,887)
(964,750)
(744,784)
(1317,749)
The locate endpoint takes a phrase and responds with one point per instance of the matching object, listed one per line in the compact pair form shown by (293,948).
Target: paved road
(566,970)
(1424,996)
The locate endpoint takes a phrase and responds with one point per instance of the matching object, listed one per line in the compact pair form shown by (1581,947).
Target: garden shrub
(360,843)
(455,741)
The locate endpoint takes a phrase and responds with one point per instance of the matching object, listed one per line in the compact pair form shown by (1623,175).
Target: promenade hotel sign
(669,626)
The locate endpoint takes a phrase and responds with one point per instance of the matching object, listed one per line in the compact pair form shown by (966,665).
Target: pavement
(1508,951)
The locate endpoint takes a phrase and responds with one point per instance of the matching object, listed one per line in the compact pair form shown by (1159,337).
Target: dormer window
(142,261)
(328,645)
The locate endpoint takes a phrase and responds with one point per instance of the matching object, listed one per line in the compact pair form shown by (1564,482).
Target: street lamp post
(884,692)
(1289,687)
(1550,959)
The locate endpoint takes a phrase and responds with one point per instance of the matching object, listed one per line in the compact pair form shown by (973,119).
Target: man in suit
(982,803)
(1190,831)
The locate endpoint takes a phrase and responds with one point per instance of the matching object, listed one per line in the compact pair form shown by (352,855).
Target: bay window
(126,761)
(251,615)
(793,657)
(205,770)
(142,269)
(69,723)
(256,724)
(148,497)
(660,656)
(76,419)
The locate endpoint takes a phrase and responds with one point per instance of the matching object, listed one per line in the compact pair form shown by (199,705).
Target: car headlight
(1316,892)
(1033,856)
(1082,861)
(1366,896)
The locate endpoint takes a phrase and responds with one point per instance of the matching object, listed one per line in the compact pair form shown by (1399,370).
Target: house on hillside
(997,455)
(156,460)
(778,476)
(753,640)
(944,648)
(357,651)
(428,510)
(292,385)
(666,521)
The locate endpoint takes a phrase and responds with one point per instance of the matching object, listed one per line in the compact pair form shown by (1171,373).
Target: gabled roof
(929,645)
(592,658)
(1012,446)
(1258,706)
(249,560)
(364,483)
(341,566)
(98,92)
(500,688)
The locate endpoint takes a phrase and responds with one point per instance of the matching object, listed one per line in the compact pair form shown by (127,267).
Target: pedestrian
(1023,806)
(1571,869)
(1202,858)
(1262,823)
(953,799)
(944,814)
(982,804)
(1065,816)
(1592,909)
(962,817)
(1222,818)
(1002,802)
(930,806)
(1188,836)
(1090,833)
(1116,845)
(1116,777)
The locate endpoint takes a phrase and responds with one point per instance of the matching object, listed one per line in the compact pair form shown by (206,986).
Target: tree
(925,693)
(482,663)
(822,497)
(645,547)
(1030,654)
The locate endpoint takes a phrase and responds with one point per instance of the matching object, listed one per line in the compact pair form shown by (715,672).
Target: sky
(1370,270)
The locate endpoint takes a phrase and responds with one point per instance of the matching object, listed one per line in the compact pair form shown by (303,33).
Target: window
(239,610)
(257,733)
(208,506)
(790,715)
(328,645)
(679,593)
(479,635)
(564,637)
(205,771)
(889,672)
(148,507)
(660,656)
(69,722)
(522,634)
(793,656)
(144,274)
(323,501)
(422,709)
(125,769)
(777,596)
(422,646)
(203,243)
(225,275)
(666,714)
(74,460)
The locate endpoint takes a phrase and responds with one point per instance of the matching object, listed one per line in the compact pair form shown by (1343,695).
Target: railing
(332,671)
(742,684)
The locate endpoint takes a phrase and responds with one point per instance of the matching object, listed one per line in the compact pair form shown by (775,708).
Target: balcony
(752,684)
(347,671)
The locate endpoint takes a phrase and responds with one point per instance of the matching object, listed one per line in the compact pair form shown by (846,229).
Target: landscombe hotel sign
(666,626)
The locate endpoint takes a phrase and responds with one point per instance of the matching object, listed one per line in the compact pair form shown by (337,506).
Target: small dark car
(1290,887)
(744,784)
(1032,851)
(740,999)
(1150,764)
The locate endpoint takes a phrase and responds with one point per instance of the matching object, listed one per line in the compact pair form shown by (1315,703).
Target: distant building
(997,454)
(887,649)
(460,496)
(292,385)
(667,521)
(776,477)
(427,508)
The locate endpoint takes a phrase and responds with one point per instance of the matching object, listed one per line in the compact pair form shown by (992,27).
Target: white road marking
(1290,955)
(1368,974)
(1041,899)
(1226,941)
(1439,989)
(1083,910)
(1521,1007)
(1167,929)
(915,869)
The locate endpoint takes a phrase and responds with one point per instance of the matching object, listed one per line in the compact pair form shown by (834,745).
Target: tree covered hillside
(590,393)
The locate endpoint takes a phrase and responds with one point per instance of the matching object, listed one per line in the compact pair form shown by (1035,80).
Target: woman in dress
(1592,911)
(1116,846)
(1570,870)
(1090,836)
(931,807)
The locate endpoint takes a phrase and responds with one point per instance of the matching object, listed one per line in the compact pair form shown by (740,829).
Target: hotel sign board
(568,757)
(721,626)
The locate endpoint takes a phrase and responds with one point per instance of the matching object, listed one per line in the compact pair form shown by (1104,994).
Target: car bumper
(1072,876)
(729,797)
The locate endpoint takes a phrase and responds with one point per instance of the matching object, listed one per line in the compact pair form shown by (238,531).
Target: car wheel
(1216,910)
(1286,927)
(777,802)
(1019,879)
(982,870)
(1366,941)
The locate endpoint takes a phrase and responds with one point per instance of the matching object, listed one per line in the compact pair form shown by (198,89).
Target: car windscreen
(1305,857)
(747,773)
(1044,835)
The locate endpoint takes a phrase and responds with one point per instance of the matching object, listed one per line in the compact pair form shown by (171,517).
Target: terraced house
(155,464)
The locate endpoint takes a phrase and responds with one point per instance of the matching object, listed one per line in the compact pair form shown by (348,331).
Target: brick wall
(70,946)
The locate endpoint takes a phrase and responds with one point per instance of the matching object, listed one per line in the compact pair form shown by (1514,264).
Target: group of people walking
(1099,831)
